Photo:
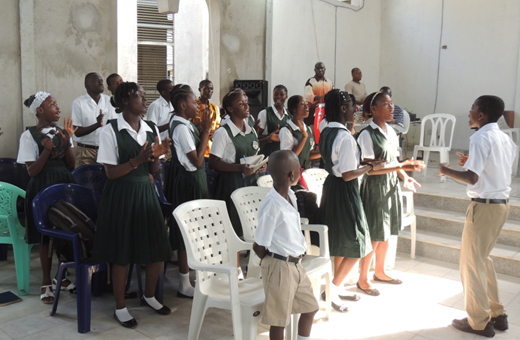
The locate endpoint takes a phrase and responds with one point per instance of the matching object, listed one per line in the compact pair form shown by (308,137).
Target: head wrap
(39,98)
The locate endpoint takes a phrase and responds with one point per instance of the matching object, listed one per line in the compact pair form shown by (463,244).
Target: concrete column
(127,39)
(27,57)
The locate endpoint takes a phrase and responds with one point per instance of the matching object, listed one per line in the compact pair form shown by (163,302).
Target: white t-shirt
(491,156)
(262,117)
(345,154)
(160,112)
(183,142)
(108,152)
(279,227)
(287,140)
(357,89)
(323,124)
(367,146)
(28,150)
(223,146)
(84,113)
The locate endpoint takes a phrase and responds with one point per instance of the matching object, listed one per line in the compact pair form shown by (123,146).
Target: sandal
(47,297)
(71,287)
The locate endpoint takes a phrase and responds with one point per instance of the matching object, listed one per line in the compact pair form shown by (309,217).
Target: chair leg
(129,277)
(425,160)
(444,158)
(238,318)
(83,296)
(198,310)
(139,279)
(22,263)
(291,331)
(61,273)
(249,322)
(515,164)
(413,232)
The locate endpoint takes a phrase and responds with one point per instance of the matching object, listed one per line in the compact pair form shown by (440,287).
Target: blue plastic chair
(211,177)
(12,232)
(92,176)
(86,200)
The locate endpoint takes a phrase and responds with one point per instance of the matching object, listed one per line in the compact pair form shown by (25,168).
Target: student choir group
(360,202)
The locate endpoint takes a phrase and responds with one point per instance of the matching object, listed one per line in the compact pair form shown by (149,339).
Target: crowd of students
(360,201)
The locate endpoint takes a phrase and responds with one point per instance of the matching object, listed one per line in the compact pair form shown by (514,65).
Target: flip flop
(369,291)
(392,281)
(48,294)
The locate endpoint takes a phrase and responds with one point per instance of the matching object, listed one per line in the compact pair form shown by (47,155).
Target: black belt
(285,258)
(490,200)
(88,146)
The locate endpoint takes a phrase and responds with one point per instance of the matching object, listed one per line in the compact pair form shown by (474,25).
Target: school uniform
(249,121)
(341,208)
(380,194)
(185,181)
(54,171)
(270,120)
(160,112)
(491,156)
(288,289)
(290,136)
(130,225)
(231,145)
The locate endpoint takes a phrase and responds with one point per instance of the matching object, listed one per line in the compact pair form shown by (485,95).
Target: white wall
(482,39)
(305,32)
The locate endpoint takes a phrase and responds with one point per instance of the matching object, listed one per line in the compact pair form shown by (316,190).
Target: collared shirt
(183,142)
(214,124)
(108,152)
(28,150)
(279,228)
(323,124)
(223,146)
(287,140)
(84,113)
(357,89)
(315,88)
(367,146)
(345,154)
(160,112)
(262,117)
(491,156)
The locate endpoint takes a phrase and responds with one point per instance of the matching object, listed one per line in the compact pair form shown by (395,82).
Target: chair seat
(247,289)
(315,264)
(432,148)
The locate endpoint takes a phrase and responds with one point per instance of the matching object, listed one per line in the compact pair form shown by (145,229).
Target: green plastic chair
(12,232)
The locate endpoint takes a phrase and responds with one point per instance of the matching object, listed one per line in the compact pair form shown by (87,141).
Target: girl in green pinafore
(46,151)
(341,208)
(271,120)
(297,136)
(130,225)
(380,189)
(187,177)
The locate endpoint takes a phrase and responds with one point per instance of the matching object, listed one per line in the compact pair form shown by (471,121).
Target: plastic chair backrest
(406,122)
(161,176)
(265,181)
(208,235)
(91,176)
(315,178)
(9,194)
(247,200)
(441,123)
(212,178)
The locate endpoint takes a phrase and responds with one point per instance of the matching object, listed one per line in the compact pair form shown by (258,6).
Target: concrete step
(456,203)
(452,223)
(445,247)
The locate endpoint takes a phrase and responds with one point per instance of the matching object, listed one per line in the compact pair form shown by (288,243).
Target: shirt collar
(123,124)
(487,127)
(276,111)
(182,120)
(324,79)
(235,131)
(375,126)
(337,125)
(164,102)
(294,126)
(282,201)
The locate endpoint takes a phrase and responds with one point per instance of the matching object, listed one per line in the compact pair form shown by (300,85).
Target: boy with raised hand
(487,171)
(280,244)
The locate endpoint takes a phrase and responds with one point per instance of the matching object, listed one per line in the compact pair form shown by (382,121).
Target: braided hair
(334,99)
(123,91)
(179,94)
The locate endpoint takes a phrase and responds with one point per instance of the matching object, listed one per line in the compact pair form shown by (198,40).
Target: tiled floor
(421,308)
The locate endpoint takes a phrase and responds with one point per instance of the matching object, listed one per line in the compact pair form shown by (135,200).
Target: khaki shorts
(288,290)
(85,156)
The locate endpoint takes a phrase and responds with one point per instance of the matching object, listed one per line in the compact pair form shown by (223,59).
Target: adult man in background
(356,87)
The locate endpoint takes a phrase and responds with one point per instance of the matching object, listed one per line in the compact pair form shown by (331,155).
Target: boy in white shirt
(280,244)
(487,171)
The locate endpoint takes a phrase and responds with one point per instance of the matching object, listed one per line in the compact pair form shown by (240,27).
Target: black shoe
(132,323)
(130,295)
(500,322)
(340,308)
(354,297)
(163,311)
(180,295)
(463,325)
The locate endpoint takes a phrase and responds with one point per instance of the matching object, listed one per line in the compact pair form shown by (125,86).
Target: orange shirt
(315,88)
(216,119)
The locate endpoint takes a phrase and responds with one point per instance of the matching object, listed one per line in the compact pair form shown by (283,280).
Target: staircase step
(452,223)
(447,248)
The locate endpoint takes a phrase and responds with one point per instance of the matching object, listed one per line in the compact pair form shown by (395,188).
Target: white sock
(123,315)
(153,302)
(240,273)
(334,294)
(185,286)
(301,337)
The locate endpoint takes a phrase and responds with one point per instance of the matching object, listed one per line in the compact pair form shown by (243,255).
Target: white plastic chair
(402,131)
(265,181)
(247,200)
(315,178)
(514,134)
(442,127)
(212,245)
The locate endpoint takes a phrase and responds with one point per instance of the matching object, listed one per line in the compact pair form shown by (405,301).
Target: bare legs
(380,249)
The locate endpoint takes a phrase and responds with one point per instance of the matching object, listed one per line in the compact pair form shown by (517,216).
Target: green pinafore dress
(245,145)
(130,225)
(380,193)
(305,155)
(341,208)
(184,186)
(54,171)
(273,121)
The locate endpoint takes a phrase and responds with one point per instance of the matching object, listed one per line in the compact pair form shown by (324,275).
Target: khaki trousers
(85,156)
(483,224)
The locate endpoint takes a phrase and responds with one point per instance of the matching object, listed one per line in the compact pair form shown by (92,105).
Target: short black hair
(368,101)
(354,70)
(112,76)
(162,84)
(334,99)
(123,91)
(491,106)
(281,87)
(228,100)
(91,74)
(292,103)
(179,94)
(204,82)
